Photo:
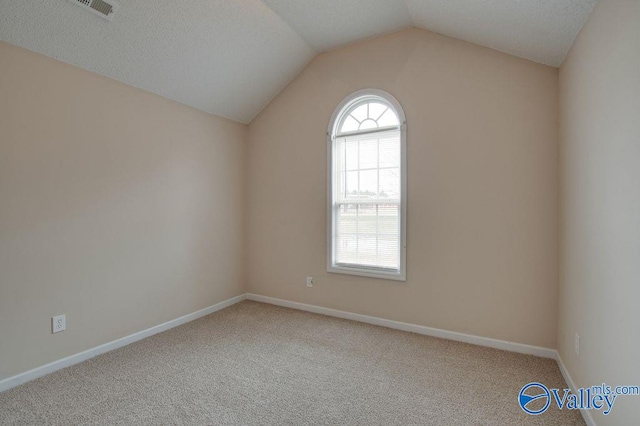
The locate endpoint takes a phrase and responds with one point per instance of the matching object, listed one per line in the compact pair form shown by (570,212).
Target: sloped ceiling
(231,57)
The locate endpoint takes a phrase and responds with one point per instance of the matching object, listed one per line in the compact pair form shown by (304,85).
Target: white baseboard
(586,414)
(21,378)
(27,376)
(419,329)
(435,332)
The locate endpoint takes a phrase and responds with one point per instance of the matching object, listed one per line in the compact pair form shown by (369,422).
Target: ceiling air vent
(107,9)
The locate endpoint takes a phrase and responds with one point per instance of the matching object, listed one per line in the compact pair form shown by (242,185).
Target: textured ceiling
(231,57)
(227,57)
(540,30)
(326,24)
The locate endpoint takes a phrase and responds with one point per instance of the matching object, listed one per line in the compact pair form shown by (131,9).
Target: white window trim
(332,267)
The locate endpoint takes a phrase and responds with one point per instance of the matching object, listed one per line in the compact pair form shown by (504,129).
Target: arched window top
(366,111)
(368,114)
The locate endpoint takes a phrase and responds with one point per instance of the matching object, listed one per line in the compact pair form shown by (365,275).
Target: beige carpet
(256,364)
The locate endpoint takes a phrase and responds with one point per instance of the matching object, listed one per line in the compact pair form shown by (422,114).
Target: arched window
(367,187)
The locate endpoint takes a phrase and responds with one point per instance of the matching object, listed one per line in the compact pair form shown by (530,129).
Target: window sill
(362,272)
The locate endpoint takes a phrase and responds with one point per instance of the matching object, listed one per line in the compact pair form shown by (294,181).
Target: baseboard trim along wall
(434,332)
(586,414)
(37,372)
(27,376)
(414,328)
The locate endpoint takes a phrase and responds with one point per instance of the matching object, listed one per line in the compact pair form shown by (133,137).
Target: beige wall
(600,152)
(482,187)
(118,208)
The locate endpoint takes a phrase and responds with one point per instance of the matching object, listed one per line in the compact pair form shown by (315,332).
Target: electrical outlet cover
(58,323)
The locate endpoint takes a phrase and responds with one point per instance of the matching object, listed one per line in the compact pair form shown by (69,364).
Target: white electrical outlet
(309,281)
(58,323)
(576,344)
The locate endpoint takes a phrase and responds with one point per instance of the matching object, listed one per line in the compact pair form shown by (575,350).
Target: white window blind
(367,205)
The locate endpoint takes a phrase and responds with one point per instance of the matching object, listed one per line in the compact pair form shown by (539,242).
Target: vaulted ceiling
(231,57)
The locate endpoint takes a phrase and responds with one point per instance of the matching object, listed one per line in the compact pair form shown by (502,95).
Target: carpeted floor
(257,364)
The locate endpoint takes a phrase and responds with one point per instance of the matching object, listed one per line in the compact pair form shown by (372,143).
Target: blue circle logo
(531,393)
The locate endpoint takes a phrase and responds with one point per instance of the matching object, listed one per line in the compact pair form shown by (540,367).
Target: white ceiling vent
(105,8)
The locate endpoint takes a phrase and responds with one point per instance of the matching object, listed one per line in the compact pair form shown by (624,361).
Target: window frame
(332,130)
